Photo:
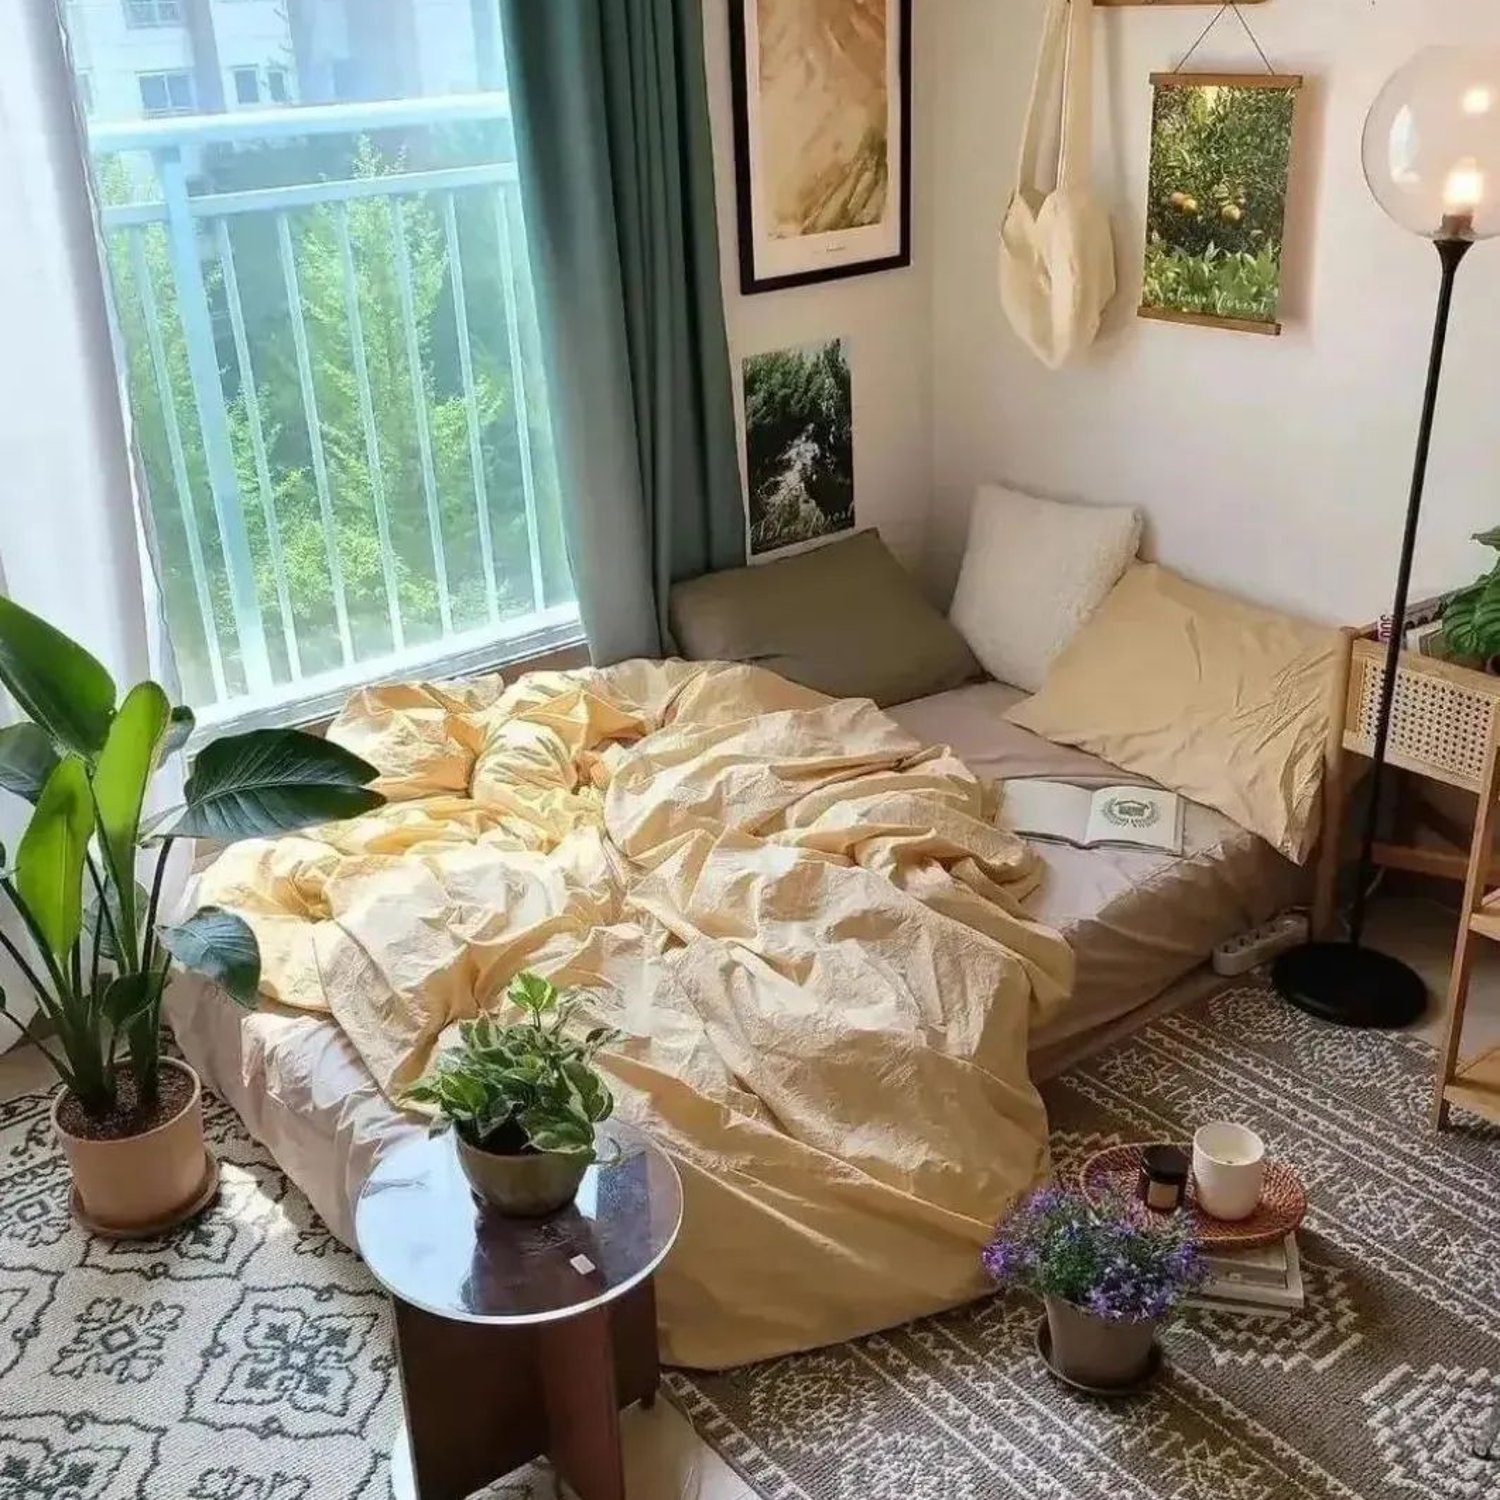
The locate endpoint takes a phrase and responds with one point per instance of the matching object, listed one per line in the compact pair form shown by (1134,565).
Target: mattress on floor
(1137,921)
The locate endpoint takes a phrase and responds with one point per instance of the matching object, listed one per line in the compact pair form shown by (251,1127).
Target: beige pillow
(846,619)
(1222,701)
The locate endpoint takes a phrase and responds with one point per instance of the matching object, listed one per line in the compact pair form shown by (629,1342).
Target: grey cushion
(846,619)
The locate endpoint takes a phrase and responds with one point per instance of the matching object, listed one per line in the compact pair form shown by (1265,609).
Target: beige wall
(885,318)
(1276,468)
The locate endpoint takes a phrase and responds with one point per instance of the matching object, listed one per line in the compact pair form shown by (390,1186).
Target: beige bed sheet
(1136,922)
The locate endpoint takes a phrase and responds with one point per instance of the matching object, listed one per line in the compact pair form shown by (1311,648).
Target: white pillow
(1033,572)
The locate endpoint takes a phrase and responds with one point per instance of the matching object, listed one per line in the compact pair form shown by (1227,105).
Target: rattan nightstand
(1445,727)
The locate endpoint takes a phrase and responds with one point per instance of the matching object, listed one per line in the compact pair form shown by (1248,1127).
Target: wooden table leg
(474,1408)
(582,1400)
(481,1401)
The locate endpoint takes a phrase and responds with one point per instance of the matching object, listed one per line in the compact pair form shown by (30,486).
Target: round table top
(432,1243)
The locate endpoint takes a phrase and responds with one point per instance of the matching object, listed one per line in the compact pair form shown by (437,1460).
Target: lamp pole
(1349,983)
(1451,250)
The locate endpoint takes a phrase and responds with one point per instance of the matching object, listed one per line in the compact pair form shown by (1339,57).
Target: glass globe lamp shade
(1432,144)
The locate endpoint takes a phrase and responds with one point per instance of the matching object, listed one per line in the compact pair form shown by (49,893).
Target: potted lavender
(1108,1276)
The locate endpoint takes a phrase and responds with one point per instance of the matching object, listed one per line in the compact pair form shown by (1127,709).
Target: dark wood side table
(518,1337)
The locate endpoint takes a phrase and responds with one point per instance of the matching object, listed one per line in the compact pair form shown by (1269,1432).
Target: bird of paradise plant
(99,954)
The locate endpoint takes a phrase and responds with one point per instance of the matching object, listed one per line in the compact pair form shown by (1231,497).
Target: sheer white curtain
(70,542)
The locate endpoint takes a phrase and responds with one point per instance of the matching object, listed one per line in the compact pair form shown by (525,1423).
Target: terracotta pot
(141,1183)
(525,1185)
(1098,1352)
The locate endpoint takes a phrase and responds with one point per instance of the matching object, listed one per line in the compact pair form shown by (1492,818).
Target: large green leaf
(271,781)
(129,998)
(49,863)
(221,945)
(27,756)
(124,771)
(55,681)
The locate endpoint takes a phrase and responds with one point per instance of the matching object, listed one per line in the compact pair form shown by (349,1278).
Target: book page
(1135,815)
(1046,809)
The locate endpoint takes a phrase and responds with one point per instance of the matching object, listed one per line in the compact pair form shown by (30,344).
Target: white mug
(1229,1169)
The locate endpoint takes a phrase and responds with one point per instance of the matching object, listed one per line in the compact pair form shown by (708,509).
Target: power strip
(1261,944)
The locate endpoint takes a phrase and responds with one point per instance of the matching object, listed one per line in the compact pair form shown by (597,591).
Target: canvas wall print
(1216,218)
(822,105)
(799,446)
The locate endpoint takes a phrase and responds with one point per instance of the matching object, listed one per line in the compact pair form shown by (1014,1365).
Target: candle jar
(1163,1181)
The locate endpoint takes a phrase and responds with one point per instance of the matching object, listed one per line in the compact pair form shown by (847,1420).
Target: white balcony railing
(349,461)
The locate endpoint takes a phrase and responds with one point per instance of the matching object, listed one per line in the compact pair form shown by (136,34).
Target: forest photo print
(799,445)
(1215,219)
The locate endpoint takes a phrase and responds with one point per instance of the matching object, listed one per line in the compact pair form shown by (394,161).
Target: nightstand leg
(577,1362)
(482,1401)
(473,1410)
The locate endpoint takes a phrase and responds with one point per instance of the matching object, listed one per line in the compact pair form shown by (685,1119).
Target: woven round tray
(1283,1201)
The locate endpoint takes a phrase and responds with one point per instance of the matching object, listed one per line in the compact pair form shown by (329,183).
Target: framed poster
(822,138)
(1221,147)
(799,447)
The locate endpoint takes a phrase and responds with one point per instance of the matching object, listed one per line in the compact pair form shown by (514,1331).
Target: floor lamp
(1432,159)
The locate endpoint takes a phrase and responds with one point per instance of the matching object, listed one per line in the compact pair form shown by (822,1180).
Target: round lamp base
(1350,986)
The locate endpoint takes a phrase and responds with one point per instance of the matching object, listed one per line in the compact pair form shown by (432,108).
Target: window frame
(150,15)
(165,77)
(237,76)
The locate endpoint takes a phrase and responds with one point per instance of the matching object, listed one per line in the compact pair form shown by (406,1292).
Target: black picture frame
(752,282)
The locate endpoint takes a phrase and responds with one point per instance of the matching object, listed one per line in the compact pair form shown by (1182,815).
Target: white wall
(1277,468)
(885,319)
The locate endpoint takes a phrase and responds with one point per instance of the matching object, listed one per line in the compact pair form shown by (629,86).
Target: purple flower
(1117,1261)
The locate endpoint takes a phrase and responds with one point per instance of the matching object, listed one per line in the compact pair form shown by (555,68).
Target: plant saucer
(208,1190)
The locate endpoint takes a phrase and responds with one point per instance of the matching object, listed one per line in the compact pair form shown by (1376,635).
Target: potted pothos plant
(1108,1276)
(88,939)
(523,1101)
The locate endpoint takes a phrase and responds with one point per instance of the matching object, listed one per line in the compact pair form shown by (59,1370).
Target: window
(167,93)
(246,85)
(329,340)
(153,12)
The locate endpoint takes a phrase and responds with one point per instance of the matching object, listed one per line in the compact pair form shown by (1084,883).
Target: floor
(665,1458)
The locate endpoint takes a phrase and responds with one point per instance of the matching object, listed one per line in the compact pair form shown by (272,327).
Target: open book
(1132,816)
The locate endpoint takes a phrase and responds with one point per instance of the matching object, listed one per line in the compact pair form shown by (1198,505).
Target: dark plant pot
(524,1184)
(1098,1352)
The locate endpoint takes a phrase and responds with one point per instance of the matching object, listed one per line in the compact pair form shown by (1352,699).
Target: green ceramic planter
(524,1185)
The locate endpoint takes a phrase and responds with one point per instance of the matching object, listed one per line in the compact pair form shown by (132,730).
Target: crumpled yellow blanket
(805,923)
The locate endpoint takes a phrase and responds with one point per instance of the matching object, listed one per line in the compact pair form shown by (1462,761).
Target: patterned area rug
(1375,1392)
(248,1356)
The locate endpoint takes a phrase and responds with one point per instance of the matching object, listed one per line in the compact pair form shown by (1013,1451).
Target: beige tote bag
(1057,257)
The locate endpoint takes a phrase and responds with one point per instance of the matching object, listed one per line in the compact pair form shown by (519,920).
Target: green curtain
(612,132)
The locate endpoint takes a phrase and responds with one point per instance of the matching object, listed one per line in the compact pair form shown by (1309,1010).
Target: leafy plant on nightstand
(1471,621)
(523,1099)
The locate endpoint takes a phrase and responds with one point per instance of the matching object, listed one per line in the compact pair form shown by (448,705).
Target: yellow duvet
(804,922)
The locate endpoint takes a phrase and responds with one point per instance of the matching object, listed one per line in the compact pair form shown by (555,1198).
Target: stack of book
(1262,1283)
(1421,623)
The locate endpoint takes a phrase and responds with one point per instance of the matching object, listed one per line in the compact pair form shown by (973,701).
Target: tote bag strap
(1049,78)
(1076,166)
